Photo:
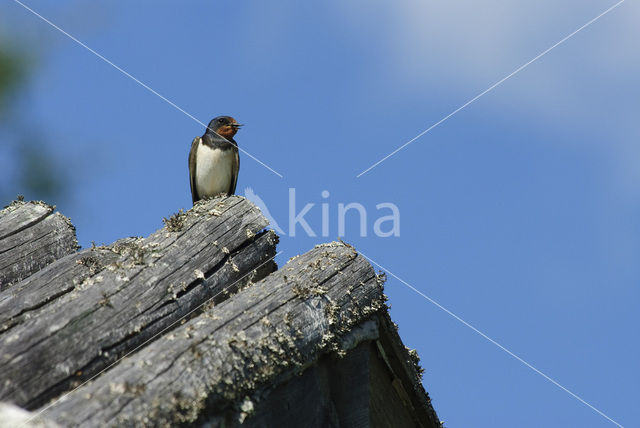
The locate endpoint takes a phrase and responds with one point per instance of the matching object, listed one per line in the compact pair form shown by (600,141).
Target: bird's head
(225,126)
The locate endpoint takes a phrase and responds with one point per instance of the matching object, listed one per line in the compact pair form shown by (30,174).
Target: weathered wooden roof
(194,326)
(31,237)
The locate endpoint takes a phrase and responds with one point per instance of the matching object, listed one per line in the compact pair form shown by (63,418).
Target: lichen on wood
(263,333)
(83,312)
(32,236)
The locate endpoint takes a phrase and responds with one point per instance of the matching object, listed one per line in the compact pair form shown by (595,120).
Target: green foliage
(12,71)
(34,171)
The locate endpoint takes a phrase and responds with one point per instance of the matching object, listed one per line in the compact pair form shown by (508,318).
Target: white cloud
(463,47)
(473,41)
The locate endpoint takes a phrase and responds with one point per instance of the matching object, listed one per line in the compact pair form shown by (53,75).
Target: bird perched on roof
(214,161)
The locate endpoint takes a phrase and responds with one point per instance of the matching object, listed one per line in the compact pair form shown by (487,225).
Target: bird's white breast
(213,170)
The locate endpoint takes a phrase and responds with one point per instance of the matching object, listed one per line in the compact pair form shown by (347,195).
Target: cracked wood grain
(31,237)
(83,312)
(263,335)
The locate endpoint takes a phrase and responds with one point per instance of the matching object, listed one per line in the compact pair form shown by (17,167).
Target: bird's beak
(235,125)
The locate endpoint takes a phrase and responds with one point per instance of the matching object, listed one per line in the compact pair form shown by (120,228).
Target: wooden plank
(332,393)
(49,284)
(303,401)
(205,370)
(78,328)
(350,387)
(387,406)
(405,373)
(356,391)
(31,237)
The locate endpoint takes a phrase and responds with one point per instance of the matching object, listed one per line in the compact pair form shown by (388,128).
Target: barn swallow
(214,160)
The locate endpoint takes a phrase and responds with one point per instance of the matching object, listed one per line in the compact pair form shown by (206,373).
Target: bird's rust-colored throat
(229,130)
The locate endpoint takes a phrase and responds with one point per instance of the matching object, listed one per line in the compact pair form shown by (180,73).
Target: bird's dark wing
(192,169)
(234,171)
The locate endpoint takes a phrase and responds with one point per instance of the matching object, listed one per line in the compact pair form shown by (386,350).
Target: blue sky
(520,213)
